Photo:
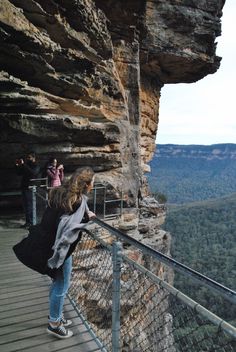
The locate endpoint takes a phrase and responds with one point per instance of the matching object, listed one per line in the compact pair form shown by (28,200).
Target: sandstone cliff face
(81,79)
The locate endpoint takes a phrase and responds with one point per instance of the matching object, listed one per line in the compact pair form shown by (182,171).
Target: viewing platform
(116,304)
(24,304)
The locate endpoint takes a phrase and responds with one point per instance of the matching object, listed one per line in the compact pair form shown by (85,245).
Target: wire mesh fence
(157,320)
(104,202)
(153,316)
(91,286)
(210,300)
(39,201)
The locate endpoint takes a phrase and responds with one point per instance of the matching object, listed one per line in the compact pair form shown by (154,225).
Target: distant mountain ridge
(209,152)
(188,173)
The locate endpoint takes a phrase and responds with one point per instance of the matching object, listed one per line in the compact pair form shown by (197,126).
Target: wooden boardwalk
(24,305)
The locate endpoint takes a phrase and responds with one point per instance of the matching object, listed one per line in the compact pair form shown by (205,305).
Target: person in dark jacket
(49,245)
(28,169)
(70,200)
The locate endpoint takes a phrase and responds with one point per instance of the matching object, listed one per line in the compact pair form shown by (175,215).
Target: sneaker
(66,322)
(60,331)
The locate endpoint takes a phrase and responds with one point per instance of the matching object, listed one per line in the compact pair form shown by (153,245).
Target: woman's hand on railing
(91,215)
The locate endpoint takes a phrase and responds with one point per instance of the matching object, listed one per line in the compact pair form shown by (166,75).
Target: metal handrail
(45,179)
(135,302)
(224,291)
(220,323)
(195,275)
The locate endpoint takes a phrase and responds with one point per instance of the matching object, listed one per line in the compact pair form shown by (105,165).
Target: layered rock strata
(81,80)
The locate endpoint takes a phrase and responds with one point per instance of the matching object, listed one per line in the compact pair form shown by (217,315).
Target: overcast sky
(204,112)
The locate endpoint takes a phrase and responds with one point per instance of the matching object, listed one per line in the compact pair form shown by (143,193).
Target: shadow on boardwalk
(24,304)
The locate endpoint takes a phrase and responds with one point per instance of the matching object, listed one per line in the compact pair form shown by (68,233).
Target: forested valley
(198,184)
(190,173)
(204,238)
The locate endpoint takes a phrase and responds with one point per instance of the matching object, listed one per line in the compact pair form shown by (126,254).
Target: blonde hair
(68,195)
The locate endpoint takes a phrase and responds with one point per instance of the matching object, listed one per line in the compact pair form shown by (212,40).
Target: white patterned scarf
(67,233)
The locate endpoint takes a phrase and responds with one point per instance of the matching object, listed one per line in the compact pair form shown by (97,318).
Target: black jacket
(35,250)
(28,171)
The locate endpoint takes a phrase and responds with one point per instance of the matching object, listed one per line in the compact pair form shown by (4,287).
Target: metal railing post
(104,202)
(94,199)
(121,204)
(116,259)
(34,207)
(46,198)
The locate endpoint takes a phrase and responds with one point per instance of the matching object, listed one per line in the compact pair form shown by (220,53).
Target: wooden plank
(26,317)
(22,280)
(22,325)
(26,297)
(10,265)
(24,307)
(25,276)
(16,285)
(27,324)
(47,343)
(23,310)
(33,335)
(21,304)
(26,291)
(29,332)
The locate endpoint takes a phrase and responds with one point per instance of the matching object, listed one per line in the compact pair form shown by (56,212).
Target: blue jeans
(58,290)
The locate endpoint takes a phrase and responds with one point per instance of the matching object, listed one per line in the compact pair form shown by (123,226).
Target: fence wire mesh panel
(152,317)
(145,317)
(39,202)
(91,286)
(210,300)
(103,202)
(192,332)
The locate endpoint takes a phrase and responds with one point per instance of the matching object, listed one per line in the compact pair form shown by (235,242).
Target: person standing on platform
(49,246)
(29,169)
(55,173)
